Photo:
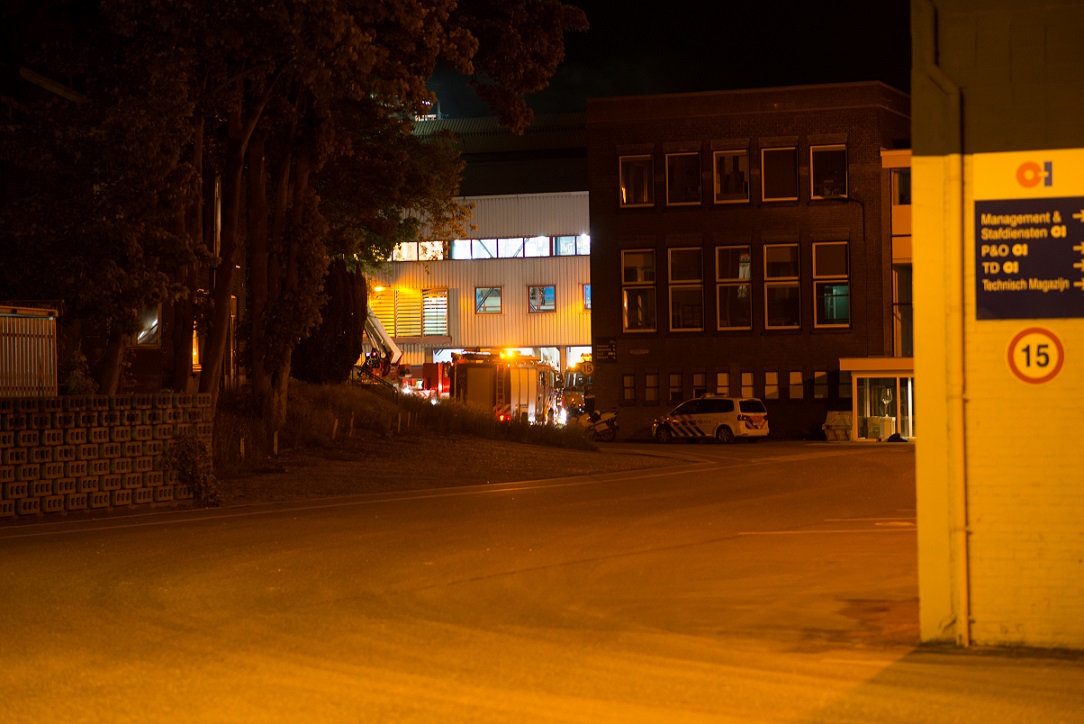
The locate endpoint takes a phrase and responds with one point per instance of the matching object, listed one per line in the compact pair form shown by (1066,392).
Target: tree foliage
(296,113)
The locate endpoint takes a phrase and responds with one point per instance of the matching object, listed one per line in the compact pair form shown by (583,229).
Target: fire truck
(512,386)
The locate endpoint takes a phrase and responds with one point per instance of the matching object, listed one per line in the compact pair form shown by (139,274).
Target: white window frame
(820,279)
(645,184)
(764,173)
(837,191)
(734,197)
(671,171)
(788,281)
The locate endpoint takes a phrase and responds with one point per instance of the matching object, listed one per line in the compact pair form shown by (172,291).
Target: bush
(189,458)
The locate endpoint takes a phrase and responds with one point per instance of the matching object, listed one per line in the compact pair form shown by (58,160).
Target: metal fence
(28,352)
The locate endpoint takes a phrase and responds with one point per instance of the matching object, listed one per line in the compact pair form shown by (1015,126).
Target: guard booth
(883,397)
(28,352)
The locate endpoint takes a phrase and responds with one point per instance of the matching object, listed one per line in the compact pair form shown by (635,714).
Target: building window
(542,298)
(536,246)
(572,245)
(487,300)
(700,384)
(820,384)
(797,385)
(831,285)
(722,383)
(651,388)
(828,172)
(733,291)
(771,385)
(779,174)
(782,303)
(747,385)
(676,394)
(637,181)
(510,248)
(638,291)
(731,175)
(434,312)
(682,179)
(148,332)
(587,297)
(901,187)
(628,388)
(845,384)
(420,251)
(686,271)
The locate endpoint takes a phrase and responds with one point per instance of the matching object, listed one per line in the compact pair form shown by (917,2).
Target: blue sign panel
(1029,258)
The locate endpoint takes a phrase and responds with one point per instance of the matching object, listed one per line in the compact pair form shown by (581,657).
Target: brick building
(741,245)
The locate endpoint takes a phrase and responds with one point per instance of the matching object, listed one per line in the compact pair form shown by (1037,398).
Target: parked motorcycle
(599,426)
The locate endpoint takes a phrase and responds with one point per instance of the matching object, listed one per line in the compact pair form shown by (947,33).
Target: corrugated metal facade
(28,353)
(501,216)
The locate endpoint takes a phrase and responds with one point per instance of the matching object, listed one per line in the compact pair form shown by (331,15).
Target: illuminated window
(700,384)
(587,297)
(771,385)
(682,179)
(820,384)
(831,285)
(487,300)
(733,289)
(779,174)
(542,298)
(637,181)
(536,246)
(509,248)
(731,174)
(747,384)
(828,172)
(782,305)
(676,387)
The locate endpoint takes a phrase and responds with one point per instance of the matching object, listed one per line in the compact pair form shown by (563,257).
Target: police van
(713,416)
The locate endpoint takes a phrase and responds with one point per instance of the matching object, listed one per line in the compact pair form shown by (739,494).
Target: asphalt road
(749,583)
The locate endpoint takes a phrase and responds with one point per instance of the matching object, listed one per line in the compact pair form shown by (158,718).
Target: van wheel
(664,435)
(723,435)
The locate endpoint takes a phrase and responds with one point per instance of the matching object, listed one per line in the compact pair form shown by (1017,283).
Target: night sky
(679,46)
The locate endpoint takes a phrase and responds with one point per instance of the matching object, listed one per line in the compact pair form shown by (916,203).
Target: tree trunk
(184,309)
(112,361)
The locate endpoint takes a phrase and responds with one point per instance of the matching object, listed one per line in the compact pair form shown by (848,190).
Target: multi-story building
(522,281)
(742,245)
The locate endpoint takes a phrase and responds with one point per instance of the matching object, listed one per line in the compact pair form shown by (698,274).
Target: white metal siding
(529,215)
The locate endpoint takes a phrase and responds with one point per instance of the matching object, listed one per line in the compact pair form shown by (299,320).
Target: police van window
(754,406)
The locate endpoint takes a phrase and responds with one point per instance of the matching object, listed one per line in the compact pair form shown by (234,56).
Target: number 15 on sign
(1036,355)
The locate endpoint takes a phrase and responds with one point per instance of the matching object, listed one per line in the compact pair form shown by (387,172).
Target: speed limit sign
(588,368)
(1036,355)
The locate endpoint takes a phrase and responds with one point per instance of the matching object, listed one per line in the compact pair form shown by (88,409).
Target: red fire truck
(512,386)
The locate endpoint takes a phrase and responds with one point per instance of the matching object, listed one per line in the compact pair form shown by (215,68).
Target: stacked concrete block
(94,452)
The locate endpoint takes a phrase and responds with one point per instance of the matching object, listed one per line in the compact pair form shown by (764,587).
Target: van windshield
(755,407)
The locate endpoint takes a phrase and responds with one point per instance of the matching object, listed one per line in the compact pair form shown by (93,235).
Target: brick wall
(63,454)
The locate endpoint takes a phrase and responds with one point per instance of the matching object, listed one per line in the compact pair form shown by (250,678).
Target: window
(686,289)
(587,297)
(771,385)
(782,305)
(722,383)
(733,291)
(419,251)
(676,394)
(651,388)
(637,181)
(820,384)
(434,312)
(779,174)
(747,385)
(731,173)
(484,249)
(901,186)
(828,172)
(845,384)
(487,300)
(509,248)
(638,292)
(147,333)
(682,179)
(542,298)
(628,388)
(831,285)
(700,384)
(797,386)
(536,246)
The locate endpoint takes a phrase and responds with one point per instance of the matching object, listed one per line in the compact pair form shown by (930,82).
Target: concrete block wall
(74,453)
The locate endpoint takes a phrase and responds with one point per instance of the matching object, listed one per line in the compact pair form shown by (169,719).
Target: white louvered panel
(530,215)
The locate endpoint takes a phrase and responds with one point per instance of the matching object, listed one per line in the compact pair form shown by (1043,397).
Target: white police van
(713,416)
